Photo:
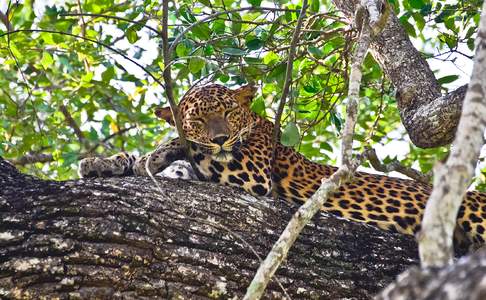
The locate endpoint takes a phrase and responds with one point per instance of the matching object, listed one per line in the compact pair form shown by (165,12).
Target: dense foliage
(77,78)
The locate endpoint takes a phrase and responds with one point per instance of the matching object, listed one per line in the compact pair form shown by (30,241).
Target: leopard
(232,145)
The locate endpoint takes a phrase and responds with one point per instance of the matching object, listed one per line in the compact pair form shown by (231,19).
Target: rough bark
(429,117)
(464,280)
(121,237)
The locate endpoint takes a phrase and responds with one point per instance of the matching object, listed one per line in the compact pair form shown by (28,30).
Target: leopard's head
(215,117)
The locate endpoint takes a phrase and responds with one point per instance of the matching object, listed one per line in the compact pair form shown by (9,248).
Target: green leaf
(449,23)
(235,25)
(255,2)
(182,50)
(254,44)
(314,7)
(108,74)
(336,121)
(205,2)
(46,60)
(418,4)
(131,34)
(196,64)
(290,135)
(234,51)
(470,44)
(316,52)
(224,78)
(87,77)
(15,51)
(202,31)
(408,27)
(258,106)
(448,79)
(419,20)
(219,26)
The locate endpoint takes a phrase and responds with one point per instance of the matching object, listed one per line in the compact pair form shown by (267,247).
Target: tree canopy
(81,78)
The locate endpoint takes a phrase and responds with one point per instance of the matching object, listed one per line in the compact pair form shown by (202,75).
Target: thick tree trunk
(429,117)
(121,237)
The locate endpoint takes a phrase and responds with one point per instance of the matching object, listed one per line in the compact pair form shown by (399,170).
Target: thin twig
(397,167)
(72,123)
(288,80)
(112,17)
(170,93)
(90,40)
(4,19)
(308,209)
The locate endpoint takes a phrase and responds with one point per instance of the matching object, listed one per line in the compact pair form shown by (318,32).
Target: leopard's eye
(230,112)
(197,122)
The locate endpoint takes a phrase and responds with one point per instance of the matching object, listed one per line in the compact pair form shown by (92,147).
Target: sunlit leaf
(46,60)
(131,34)
(196,64)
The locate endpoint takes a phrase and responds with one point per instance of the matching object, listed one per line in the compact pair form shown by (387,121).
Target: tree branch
(452,179)
(170,94)
(429,117)
(314,203)
(121,238)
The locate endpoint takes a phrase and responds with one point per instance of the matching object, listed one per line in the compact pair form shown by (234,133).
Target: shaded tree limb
(122,237)
(452,179)
(429,117)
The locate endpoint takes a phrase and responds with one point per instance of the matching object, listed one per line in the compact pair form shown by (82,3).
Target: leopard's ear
(245,94)
(165,113)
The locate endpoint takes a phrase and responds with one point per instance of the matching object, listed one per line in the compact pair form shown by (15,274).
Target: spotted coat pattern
(232,145)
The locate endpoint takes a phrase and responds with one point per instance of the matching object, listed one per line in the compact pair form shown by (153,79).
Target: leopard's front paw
(88,167)
(116,165)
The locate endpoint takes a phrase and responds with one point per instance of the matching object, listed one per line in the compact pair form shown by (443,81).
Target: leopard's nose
(220,139)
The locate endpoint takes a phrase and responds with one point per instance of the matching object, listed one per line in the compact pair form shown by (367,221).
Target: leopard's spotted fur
(232,145)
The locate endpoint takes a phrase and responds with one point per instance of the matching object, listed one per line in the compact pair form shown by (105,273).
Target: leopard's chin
(223,156)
